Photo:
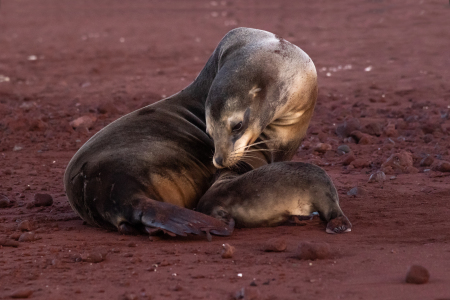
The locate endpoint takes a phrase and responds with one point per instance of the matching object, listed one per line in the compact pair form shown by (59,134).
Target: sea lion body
(271,194)
(132,158)
(146,170)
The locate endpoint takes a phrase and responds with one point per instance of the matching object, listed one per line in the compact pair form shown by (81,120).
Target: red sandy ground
(122,55)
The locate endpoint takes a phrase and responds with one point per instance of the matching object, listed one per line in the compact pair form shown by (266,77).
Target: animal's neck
(200,87)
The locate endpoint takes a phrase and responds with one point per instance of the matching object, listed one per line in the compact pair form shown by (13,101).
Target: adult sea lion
(147,170)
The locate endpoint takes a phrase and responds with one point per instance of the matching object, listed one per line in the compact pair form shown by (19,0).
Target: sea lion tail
(158,216)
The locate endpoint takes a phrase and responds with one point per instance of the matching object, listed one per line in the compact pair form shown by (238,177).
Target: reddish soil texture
(384,73)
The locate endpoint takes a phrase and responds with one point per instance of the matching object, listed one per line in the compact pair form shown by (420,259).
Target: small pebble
(24,226)
(313,251)
(176,288)
(6,242)
(361,163)
(357,135)
(275,245)
(348,158)
(342,149)
(15,236)
(84,121)
(399,161)
(378,176)
(43,199)
(427,161)
(131,244)
(417,274)
(390,130)
(27,237)
(411,170)
(365,140)
(227,251)
(93,257)
(22,293)
(357,191)
(42,230)
(322,147)
(373,129)
(443,166)
(345,129)
(4,201)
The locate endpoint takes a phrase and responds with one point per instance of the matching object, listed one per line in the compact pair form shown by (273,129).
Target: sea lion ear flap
(254,91)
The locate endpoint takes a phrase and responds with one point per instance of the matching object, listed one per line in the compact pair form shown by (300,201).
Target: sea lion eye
(237,127)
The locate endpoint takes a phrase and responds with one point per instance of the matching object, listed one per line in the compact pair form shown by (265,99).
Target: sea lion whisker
(255,157)
(245,154)
(235,154)
(254,144)
(238,158)
(258,150)
(242,163)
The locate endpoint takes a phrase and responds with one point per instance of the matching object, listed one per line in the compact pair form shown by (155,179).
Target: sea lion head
(236,114)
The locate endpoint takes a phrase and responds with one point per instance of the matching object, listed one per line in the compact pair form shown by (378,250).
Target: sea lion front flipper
(178,220)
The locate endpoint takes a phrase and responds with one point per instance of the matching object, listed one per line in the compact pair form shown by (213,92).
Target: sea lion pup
(148,169)
(272,194)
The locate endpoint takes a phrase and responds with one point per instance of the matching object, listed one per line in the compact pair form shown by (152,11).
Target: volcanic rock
(313,251)
(417,274)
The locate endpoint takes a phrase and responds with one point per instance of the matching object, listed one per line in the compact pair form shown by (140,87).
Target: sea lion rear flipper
(178,220)
(339,224)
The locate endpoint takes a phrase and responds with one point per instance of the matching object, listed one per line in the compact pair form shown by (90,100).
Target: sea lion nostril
(219,161)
